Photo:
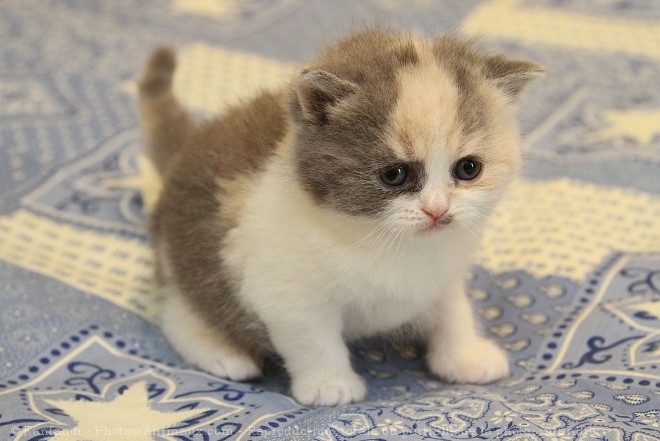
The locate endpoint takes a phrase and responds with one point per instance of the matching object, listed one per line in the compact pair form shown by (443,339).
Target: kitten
(347,205)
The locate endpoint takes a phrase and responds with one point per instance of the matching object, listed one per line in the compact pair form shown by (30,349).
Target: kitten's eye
(467,169)
(396,175)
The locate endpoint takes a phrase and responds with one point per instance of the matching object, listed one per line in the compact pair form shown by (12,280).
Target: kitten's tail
(165,123)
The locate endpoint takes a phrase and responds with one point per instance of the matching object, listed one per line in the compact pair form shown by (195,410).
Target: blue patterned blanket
(568,278)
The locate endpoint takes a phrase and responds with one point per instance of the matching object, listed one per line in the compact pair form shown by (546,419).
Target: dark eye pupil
(394,176)
(467,169)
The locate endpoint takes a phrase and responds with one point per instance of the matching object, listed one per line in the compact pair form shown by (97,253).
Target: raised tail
(165,123)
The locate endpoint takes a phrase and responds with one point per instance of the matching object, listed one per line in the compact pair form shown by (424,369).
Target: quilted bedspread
(567,279)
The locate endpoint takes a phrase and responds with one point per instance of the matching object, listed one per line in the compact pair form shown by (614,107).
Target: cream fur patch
(423,120)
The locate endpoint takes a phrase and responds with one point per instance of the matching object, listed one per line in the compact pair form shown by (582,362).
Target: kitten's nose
(435,213)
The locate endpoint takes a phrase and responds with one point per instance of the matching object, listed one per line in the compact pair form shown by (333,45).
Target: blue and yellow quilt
(567,280)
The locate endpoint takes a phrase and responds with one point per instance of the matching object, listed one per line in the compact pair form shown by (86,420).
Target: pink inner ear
(512,75)
(318,90)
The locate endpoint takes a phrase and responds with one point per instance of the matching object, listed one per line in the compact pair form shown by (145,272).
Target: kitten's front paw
(329,391)
(233,366)
(480,363)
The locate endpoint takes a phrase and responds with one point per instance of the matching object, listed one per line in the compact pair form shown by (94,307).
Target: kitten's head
(416,133)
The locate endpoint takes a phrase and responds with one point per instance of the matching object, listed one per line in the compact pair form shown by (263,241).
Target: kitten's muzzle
(436,222)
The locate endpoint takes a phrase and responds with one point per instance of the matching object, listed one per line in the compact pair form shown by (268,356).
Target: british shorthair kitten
(349,204)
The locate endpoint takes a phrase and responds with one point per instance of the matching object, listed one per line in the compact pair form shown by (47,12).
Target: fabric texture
(567,279)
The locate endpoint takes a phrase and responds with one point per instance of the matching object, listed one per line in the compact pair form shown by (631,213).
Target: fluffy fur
(275,232)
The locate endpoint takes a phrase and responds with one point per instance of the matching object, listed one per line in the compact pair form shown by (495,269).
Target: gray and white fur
(348,204)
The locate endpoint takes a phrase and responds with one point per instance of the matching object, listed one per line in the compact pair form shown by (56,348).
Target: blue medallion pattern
(81,355)
(105,190)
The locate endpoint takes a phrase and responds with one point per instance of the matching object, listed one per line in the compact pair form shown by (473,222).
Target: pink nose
(434,214)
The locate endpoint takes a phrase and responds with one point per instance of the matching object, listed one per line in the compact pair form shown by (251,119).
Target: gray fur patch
(192,223)
(338,160)
(339,152)
(470,68)
(465,65)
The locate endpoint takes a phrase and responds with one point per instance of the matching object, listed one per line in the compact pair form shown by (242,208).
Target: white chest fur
(294,258)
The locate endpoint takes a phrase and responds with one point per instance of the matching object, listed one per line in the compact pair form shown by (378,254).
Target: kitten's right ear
(318,91)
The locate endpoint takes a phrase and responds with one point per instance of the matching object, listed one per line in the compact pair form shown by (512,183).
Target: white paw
(235,367)
(329,391)
(480,363)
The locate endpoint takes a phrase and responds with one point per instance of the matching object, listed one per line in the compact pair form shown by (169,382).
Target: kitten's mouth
(438,224)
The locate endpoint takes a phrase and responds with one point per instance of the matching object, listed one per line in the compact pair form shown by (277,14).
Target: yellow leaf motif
(503,330)
(632,399)
(614,386)
(564,384)
(491,312)
(553,290)
(517,346)
(521,300)
(582,394)
(536,318)
(528,389)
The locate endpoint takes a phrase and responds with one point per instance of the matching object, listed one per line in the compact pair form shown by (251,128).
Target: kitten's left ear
(511,75)
(319,90)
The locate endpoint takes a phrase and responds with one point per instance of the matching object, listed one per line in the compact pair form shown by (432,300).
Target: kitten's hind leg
(202,346)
